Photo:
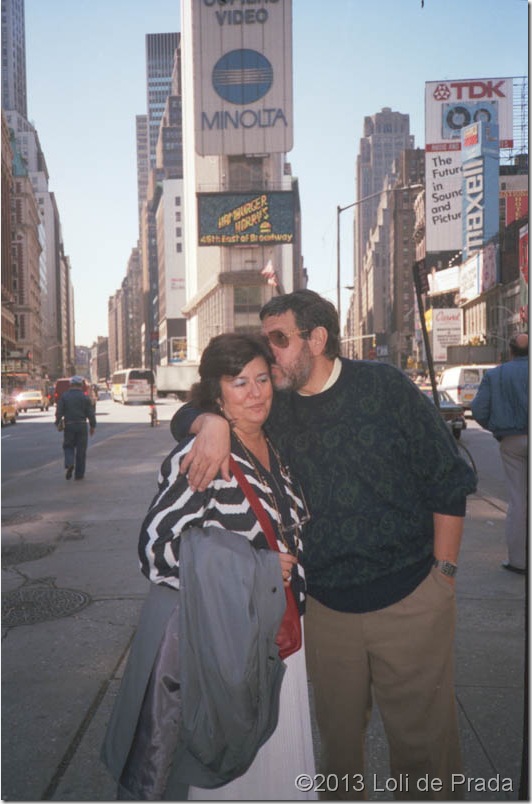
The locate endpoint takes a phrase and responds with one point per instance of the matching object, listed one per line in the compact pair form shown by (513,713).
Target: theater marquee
(243,219)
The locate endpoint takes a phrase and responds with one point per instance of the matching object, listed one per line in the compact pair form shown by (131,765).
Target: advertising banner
(445,280)
(516,205)
(446,331)
(470,278)
(242,77)
(449,107)
(489,266)
(480,186)
(238,219)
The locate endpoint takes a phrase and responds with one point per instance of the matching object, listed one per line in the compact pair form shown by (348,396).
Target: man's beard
(295,376)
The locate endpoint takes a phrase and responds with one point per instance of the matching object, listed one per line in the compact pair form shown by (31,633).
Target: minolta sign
(242,76)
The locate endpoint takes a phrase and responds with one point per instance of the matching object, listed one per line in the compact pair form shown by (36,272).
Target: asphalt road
(34,443)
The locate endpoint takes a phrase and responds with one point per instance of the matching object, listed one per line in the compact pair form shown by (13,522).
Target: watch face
(448,569)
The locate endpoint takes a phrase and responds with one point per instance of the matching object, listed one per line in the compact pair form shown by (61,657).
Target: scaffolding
(515,154)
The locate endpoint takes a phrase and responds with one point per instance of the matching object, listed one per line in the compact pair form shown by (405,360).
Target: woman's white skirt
(287,754)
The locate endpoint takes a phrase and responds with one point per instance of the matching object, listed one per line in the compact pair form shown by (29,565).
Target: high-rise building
(53,355)
(14,57)
(8,296)
(141,126)
(161,52)
(386,135)
(160,57)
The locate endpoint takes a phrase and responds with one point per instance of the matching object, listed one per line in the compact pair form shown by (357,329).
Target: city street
(72,593)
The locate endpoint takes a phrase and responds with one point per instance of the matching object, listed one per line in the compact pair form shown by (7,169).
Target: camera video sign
(243,219)
(242,55)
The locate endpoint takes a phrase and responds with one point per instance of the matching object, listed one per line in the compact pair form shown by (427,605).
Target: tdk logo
(469,90)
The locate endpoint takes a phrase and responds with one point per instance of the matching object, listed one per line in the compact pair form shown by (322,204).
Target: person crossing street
(75,409)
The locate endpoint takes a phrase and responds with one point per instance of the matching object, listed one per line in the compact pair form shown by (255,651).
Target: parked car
(462,382)
(63,384)
(452,413)
(9,409)
(31,398)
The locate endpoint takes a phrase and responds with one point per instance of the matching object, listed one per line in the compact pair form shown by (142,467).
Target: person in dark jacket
(387,495)
(501,406)
(76,409)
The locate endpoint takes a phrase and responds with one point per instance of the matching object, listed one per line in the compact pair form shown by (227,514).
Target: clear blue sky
(86,83)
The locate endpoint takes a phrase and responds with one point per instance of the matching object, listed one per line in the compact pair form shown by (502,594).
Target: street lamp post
(339,211)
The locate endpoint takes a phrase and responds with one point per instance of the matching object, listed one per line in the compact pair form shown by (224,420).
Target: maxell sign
(242,55)
(480,186)
(451,106)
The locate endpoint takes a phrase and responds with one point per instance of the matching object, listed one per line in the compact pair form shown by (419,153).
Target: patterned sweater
(375,461)
(176,507)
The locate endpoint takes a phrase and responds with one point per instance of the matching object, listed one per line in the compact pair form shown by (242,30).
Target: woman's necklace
(292,549)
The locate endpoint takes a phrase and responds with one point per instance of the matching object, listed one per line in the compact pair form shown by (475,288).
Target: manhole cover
(18,553)
(19,518)
(33,604)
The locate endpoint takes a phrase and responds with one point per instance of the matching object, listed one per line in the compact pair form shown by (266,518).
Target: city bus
(132,385)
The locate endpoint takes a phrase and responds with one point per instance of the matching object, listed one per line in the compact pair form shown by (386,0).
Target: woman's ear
(318,340)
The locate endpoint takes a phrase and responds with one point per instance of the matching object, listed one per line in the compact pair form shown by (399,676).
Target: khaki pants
(404,655)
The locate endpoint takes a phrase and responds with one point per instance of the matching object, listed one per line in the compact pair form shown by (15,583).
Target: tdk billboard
(242,77)
(480,185)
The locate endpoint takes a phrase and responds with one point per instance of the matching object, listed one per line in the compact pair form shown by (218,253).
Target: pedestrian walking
(73,411)
(387,495)
(501,406)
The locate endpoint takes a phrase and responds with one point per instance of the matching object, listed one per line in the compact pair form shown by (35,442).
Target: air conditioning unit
(459,114)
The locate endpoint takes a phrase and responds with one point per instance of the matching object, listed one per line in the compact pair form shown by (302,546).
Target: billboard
(480,186)
(446,331)
(243,219)
(242,77)
(515,205)
(451,106)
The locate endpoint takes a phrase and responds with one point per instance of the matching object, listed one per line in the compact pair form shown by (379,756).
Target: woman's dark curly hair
(226,355)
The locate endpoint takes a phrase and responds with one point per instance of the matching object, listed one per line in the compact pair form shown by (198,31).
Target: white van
(462,382)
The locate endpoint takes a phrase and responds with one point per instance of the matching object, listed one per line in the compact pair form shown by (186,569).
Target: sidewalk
(70,549)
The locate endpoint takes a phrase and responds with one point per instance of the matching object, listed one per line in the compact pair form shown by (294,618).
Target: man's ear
(318,341)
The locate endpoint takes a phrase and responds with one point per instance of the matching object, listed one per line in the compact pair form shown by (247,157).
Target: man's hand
(287,562)
(91,430)
(209,452)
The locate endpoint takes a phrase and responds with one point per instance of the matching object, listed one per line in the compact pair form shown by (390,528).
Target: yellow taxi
(9,409)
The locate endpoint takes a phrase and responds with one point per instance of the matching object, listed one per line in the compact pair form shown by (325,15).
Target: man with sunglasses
(387,493)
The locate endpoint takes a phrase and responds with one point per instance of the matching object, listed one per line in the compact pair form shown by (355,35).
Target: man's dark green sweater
(375,460)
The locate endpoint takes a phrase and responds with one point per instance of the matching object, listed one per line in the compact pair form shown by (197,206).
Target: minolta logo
(242,76)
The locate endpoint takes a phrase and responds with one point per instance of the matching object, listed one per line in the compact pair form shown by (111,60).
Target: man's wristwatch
(446,567)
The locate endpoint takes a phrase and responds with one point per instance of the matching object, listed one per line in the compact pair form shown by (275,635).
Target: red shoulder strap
(255,503)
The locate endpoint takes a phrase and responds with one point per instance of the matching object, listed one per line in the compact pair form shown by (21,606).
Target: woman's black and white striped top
(176,507)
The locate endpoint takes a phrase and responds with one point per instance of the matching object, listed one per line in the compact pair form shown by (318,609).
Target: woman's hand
(287,564)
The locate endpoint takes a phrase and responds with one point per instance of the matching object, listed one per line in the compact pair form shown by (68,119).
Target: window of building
(245,172)
(179,248)
(247,298)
